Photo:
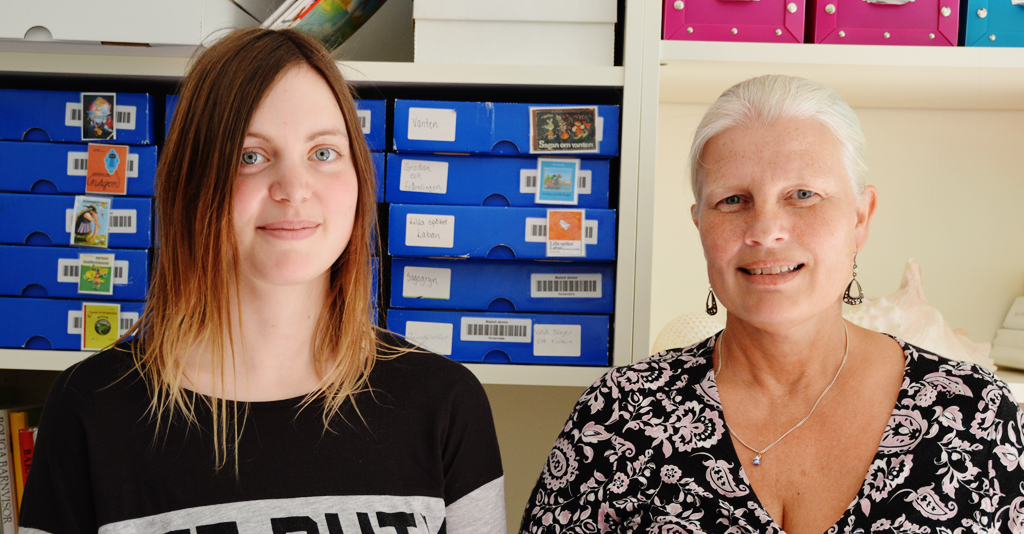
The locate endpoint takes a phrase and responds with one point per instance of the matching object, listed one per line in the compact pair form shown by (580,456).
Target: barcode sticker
(493,329)
(426,283)
(73,114)
(75,318)
(536,230)
(120,272)
(122,221)
(124,117)
(573,286)
(599,122)
(67,270)
(133,166)
(364,120)
(583,182)
(126,322)
(424,230)
(557,340)
(77,163)
(423,176)
(590,232)
(528,181)
(436,337)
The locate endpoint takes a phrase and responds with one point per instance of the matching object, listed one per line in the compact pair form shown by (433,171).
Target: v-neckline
(741,473)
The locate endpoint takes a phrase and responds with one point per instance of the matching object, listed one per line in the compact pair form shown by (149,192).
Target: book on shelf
(26,441)
(14,420)
(331,22)
(8,514)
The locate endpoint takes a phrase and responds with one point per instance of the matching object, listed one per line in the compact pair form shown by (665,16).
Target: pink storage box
(759,21)
(915,22)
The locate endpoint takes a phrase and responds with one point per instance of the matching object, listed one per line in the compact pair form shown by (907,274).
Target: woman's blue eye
(804,194)
(251,158)
(323,154)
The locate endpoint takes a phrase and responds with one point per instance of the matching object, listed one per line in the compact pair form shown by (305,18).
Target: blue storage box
(994,23)
(489,232)
(57,116)
(27,167)
(495,285)
(483,180)
(487,337)
(373,117)
(172,103)
(54,272)
(47,220)
(491,128)
(379,173)
(52,323)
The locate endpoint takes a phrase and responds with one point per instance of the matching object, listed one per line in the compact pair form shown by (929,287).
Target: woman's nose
(767,226)
(292,182)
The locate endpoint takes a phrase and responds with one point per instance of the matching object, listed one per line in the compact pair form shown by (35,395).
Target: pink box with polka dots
(885,22)
(760,21)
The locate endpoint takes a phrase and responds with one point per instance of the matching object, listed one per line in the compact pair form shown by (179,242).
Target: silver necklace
(757,459)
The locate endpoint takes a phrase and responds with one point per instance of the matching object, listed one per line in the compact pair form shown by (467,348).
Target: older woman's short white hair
(768,99)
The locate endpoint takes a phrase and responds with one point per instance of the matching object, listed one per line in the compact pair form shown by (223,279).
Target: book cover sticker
(96,274)
(98,116)
(100,329)
(564,130)
(107,170)
(90,224)
(565,233)
(557,183)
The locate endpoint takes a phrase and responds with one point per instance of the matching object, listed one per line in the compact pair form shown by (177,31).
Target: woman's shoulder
(402,364)
(931,377)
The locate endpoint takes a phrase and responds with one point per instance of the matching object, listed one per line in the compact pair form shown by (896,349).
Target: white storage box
(155,22)
(524,32)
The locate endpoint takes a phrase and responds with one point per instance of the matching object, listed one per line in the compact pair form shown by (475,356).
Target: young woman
(257,396)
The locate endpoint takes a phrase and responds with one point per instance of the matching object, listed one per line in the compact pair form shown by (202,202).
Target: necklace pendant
(757,460)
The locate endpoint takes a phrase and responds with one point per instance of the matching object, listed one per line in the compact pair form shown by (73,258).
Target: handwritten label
(436,231)
(436,337)
(423,176)
(557,340)
(429,124)
(427,283)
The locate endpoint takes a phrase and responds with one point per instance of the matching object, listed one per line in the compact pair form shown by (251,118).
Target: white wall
(951,195)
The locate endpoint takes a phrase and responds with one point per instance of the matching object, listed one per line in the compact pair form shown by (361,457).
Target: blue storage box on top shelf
(27,115)
(54,168)
(53,323)
(490,232)
(49,272)
(494,285)
(47,220)
(487,337)
(483,180)
(994,23)
(505,129)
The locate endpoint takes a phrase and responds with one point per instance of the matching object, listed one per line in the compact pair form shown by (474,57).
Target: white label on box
(120,273)
(75,321)
(424,230)
(528,181)
(536,230)
(124,117)
(68,271)
(599,122)
(77,163)
(436,337)
(422,176)
(493,329)
(128,320)
(573,286)
(429,124)
(133,166)
(120,221)
(73,114)
(427,283)
(557,340)
(364,120)
(589,232)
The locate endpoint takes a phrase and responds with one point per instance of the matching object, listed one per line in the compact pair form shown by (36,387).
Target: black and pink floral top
(646,450)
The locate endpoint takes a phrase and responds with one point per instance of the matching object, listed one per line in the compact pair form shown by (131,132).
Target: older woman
(791,419)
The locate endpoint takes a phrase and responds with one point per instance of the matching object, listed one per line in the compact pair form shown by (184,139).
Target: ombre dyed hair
(190,301)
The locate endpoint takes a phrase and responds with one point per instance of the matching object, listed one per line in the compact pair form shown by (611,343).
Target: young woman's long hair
(190,304)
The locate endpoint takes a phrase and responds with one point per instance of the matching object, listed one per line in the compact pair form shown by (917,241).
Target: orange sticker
(107,171)
(565,225)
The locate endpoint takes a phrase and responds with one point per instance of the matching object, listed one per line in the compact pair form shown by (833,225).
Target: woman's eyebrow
(327,133)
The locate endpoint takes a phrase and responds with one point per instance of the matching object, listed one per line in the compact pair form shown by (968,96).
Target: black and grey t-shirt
(420,456)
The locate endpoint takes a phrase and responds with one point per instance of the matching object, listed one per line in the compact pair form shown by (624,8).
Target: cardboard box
(915,22)
(526,32)
(183,22)
(46,324)
(490,232)
(503,286)
(483,180)
(990,23)
(47,220)
(487,337)
(53,272)
(54,168)
(764,21)
(505,129)
(57,116)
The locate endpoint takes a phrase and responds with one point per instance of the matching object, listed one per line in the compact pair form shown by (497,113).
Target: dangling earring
(849,299)
(711,306)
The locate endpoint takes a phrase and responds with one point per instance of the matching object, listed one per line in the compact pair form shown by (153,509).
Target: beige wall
(951,195)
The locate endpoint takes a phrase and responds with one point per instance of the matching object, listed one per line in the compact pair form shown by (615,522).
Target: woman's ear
(693,214)
(865,211)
